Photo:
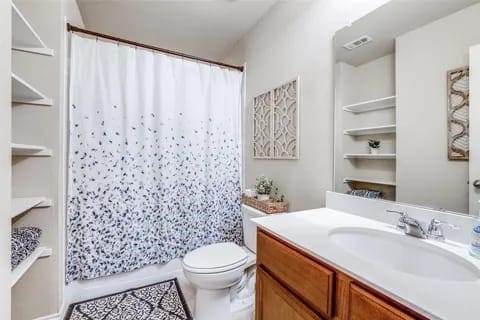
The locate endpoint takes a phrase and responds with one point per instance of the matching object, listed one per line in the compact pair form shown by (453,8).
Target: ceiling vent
(363,40)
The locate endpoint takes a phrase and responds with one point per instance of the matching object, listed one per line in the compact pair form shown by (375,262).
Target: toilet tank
(250,228)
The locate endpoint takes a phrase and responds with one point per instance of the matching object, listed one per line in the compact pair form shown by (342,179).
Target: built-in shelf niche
(26,264)
(391,128)
(24,204)
(24,37)
(26,150)
(25,93)
(381,156)
(371,105)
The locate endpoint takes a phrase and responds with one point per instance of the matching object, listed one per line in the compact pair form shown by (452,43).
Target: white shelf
(386,183)
(23,267)
(23,92)
(391,128)
(371,105)
(30,150)
(21,205)
(381,156)
(24,37)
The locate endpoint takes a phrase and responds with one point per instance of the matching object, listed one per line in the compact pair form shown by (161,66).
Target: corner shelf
(26,150)
(381,156)
(21,205)
(24,37)
(26,264)
(386,183)
(371,105)
(391,128)
(23,92)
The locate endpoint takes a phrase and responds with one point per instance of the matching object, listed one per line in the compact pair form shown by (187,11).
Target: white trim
(30,37)
(380,156)
(24,204)
(371,105)
(27,150)
(24,92)
(26,264)
(390,128)
(53,316)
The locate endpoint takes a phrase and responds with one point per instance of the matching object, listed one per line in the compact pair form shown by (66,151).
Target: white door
(474,131)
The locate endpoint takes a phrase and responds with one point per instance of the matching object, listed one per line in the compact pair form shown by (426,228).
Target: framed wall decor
(458,113)
(276,123)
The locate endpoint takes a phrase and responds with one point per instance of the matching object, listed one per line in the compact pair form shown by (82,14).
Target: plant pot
(374,150)
(263,197)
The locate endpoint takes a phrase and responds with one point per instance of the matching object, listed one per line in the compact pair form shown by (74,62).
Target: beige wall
(424,173)
(5,157)
(295,39)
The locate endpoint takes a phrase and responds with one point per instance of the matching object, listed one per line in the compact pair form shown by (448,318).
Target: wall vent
(363,40)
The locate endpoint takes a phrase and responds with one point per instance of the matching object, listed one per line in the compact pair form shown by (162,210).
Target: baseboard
(54,316)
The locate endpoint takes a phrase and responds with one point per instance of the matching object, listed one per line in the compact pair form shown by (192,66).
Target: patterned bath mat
(159,301)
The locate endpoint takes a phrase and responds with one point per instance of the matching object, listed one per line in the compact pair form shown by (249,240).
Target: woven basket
(265,206)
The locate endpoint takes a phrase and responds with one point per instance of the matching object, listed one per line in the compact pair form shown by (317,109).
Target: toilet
(224,274)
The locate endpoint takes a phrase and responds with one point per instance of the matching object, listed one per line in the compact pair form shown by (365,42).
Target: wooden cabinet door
(305,277)
(365,306)
(274,302)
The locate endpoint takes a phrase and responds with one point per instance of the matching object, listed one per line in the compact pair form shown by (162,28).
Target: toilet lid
(218,257)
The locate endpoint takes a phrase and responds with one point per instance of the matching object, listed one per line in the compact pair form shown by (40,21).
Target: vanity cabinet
(292,285)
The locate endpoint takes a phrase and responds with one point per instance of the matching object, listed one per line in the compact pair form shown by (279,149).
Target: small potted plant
(264,187)
(374,146)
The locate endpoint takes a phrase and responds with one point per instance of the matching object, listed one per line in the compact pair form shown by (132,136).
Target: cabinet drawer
(366,306)
(305,277)
(274,302)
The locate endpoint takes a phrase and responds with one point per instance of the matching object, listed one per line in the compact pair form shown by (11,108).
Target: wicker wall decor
(458,104)
(275,122)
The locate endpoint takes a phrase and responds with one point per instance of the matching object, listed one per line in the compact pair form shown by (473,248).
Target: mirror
(401,104)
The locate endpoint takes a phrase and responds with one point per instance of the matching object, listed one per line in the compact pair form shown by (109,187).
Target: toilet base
(212,304)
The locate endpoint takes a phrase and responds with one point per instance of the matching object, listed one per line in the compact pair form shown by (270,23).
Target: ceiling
(207,29)
(393,19)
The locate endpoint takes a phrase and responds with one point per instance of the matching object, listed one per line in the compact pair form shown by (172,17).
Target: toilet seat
(215,258)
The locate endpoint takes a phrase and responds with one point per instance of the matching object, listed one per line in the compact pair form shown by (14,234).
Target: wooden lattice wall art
(275,123)
(458,104)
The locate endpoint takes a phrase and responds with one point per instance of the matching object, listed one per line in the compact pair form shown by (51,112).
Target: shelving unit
(24,37)
(21,205)
(382,156)
(26,264)
(26,150)
(27,40)
(386,183)
(23,92)
(371,105)
(391,128)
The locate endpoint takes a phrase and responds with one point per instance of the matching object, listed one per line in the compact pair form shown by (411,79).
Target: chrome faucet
(411,226)
(415,228)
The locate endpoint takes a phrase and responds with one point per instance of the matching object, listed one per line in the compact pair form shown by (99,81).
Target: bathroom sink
(404,253)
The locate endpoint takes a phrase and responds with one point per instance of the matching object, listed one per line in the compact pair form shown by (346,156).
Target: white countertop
(436,299)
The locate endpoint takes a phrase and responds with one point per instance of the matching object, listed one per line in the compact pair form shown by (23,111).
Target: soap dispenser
(475,242)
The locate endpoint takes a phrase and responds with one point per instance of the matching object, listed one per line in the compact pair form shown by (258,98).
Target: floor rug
(159,301)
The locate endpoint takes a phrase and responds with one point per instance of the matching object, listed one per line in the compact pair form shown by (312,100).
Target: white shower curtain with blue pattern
(154,157)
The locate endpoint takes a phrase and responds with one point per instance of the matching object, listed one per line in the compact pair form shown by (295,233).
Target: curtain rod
(72,28)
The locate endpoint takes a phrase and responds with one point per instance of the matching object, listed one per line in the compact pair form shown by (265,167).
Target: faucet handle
(401,220)
(436,222)
(435,229)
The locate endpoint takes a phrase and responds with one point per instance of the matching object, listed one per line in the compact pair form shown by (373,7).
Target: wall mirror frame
(402,79)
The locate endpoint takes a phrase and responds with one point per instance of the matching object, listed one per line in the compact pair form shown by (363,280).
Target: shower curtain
(154,158)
